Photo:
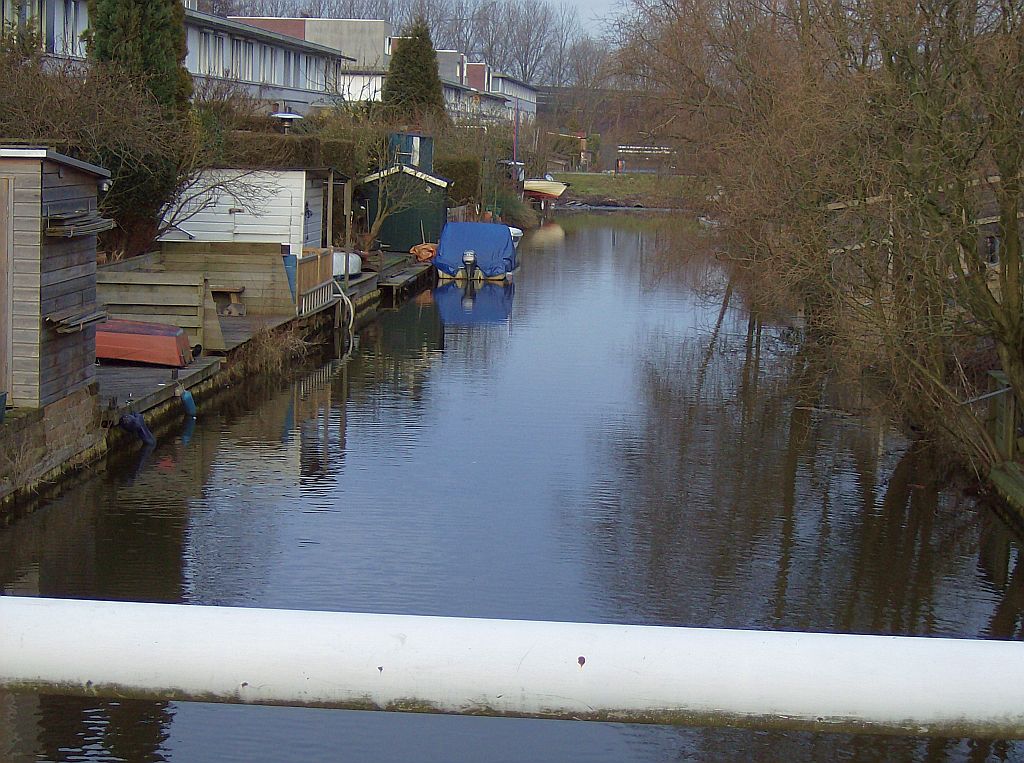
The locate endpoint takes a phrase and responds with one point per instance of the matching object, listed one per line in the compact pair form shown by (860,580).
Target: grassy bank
(628,190)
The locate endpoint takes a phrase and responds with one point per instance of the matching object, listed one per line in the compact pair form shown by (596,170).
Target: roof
(339,176)
(41,152)
(518,81)
(433,179)
(250,30)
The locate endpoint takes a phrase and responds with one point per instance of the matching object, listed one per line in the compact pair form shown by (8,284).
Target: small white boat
(544,188)
(517,235)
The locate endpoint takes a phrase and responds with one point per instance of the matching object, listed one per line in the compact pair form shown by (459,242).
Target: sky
(594,12)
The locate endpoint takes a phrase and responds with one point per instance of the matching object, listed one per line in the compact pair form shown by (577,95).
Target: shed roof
(432,179)
(41,152)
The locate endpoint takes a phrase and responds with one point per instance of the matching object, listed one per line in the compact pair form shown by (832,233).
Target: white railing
(624,673)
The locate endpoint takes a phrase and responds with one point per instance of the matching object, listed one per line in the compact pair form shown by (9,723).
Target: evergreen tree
(413,87)
(145,39)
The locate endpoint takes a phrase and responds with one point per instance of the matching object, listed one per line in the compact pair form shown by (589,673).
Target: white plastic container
(355,264)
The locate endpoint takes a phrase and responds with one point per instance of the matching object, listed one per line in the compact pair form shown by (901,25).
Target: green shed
(411,203)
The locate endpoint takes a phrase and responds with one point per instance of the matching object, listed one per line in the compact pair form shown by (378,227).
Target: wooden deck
(405,281)
(126,388)
(239,329)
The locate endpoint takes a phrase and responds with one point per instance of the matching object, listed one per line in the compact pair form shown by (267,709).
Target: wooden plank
(24,280)
(213,337)
(247,248)
(52,277)
(113,296)
(28,238)
(27,224)
(71,286)
(25,344)
(217,260)
(6,255)
(24,194)
(70,259)
(191,322)
(170,279)
(142,262)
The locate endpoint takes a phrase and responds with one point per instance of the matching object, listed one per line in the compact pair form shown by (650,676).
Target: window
(249,63)
(234,68)
(26,12)
(217,67)
(69,41)
(206,53)
(287,68)
(269,73)
(320,79)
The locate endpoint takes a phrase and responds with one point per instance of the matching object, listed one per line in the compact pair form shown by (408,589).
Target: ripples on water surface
(620,449)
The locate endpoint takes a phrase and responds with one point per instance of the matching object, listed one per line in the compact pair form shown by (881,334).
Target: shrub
(339,154)
(465,176)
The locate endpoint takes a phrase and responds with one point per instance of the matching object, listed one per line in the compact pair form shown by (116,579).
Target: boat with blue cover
(476,251)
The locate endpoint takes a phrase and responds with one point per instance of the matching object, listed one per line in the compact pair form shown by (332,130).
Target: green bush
(465,176)
(513,210)
(267,150)
(339,154)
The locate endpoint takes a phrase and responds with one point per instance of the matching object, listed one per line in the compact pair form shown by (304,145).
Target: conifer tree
(412,87)
(145,39)
(144,42)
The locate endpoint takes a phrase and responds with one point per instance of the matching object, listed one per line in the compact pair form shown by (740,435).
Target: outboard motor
(469,262)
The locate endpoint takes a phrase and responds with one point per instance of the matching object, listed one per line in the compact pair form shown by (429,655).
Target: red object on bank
(157,344)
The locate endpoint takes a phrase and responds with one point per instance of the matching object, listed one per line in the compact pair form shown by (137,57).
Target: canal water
(612,440)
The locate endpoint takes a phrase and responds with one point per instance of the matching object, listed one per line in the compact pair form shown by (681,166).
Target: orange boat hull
(156,344)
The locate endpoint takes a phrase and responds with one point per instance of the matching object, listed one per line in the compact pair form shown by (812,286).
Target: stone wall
(40,445)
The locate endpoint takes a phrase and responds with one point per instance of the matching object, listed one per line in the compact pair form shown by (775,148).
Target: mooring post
(581,671)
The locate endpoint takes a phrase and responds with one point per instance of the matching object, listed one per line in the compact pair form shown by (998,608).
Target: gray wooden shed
(48,226)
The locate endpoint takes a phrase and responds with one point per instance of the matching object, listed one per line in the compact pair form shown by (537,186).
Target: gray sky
(593,13)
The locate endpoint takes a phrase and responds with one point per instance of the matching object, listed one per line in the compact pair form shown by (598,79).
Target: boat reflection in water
(470,303)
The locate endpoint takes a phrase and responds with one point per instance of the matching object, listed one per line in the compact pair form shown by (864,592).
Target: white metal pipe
(625,673)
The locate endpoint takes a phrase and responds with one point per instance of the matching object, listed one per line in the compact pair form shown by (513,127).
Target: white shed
(260,206)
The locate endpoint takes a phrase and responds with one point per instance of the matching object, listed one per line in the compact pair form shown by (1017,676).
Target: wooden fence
(256,268)
(180,299)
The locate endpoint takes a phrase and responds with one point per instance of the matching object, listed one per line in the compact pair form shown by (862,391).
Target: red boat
(157,344)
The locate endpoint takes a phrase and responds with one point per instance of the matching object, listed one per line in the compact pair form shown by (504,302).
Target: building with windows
(294,64)
(370,41)
(293,74)
(289,73)
(61,23)
(519,97)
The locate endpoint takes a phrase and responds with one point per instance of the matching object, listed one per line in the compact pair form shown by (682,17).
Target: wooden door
(6,267)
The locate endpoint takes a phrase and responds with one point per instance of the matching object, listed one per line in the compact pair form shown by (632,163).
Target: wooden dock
(129,388)
(239,329)
(396,286)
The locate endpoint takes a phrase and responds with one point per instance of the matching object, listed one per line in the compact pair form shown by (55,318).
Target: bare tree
(861,148)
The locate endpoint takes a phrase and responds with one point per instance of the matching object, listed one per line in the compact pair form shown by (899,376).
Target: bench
(230,302)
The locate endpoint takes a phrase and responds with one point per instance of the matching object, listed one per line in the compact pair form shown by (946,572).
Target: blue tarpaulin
(491,242)
(470,304)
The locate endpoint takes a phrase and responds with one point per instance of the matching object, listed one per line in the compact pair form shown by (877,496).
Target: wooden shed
(48,226)
(283,206)
(413,204)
